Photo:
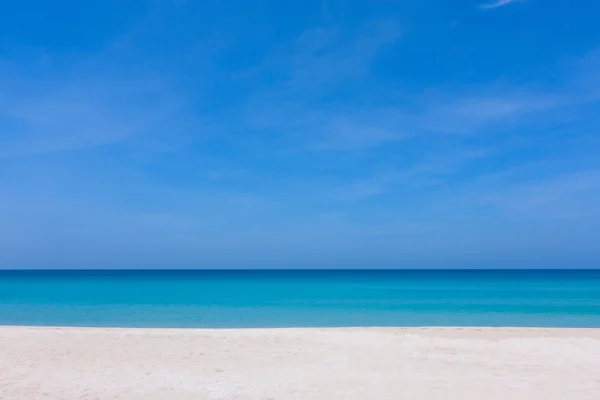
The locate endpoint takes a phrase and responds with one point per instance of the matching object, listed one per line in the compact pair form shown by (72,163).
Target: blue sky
(330,133)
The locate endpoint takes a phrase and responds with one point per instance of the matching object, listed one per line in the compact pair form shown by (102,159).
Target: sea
(300,298)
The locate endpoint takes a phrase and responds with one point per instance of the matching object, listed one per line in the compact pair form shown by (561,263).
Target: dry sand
(353,363)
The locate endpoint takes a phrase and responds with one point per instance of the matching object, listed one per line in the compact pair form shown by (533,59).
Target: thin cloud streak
(91,103)
(68,118)
(465,111)
(496,4)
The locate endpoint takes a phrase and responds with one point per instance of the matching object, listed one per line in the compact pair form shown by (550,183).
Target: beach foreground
(331,363)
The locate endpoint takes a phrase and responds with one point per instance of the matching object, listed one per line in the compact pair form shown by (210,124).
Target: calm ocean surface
(551,298)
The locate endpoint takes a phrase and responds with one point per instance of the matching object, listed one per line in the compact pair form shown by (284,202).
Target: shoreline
(471,331)
(469,363)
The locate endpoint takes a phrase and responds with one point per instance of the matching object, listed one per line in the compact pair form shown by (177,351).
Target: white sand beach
(345,363)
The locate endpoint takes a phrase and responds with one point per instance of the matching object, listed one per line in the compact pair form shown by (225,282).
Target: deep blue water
(552,298)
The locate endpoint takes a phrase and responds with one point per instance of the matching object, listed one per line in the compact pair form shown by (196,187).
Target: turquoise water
(225,299)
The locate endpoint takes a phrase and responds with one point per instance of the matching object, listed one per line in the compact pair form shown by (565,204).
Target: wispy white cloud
(329,56)
(429,171)
(498,3)
(348,134)
(320,62)
(363,126)
(464,110)
(304,105)
(80,112)
(324,57)
(63,103)
(574,194)
(474,110)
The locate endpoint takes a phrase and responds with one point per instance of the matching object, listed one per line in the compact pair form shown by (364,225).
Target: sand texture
(348,363)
